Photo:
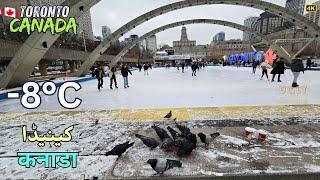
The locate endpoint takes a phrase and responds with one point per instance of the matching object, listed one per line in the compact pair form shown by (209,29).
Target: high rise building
(221,36)
(106,31)
(84,21)
(129,39)
(249,22)
(296,6)
(151,44)
(314,16)
(269,23)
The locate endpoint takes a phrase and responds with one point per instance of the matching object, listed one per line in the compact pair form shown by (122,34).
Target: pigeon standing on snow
(148,141)
(169,115)
(119,149)
(207,140)
(173,132)
(183,129)
(161,132)
(168,144)
(188,146)
(162,165)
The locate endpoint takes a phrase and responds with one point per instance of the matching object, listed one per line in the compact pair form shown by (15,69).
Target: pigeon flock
(182,142)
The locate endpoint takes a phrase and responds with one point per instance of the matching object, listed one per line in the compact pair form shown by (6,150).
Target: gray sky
(115,13)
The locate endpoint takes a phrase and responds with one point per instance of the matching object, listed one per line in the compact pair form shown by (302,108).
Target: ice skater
(182,67)
(278,68)
(146,67)
(309,63)
(265,66)
(296,68)
(194,68)
(140,67)
(112,75)
(125,72)
(99,74)
(254,66)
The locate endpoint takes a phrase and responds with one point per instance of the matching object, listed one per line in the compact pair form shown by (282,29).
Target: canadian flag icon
(9,12)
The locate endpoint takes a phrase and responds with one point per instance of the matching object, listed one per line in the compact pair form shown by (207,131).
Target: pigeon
(162,165)
(161,132)
(148,141)
(188,146)
(168,116)
(168,144)
(173,132)
(183,129)
(119,149)
(206,140)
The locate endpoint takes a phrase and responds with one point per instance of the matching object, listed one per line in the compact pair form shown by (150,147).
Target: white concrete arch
(312,28)
(35,47)
(21,66)
(194,21)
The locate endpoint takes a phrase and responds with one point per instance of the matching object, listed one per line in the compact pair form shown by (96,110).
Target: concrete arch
(21,66)
(192,21)
(35,47)
(312,28)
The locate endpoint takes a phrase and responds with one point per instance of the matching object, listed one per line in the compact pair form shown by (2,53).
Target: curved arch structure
(312,28)
(21,66)
(35,47)
(192,21)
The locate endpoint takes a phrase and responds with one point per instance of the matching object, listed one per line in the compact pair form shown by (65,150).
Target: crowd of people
(278,68)
(99,72)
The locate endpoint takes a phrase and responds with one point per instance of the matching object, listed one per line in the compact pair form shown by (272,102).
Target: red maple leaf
(9,12)
(270,56)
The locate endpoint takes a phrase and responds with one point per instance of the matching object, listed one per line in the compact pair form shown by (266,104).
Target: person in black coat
(309,63)
(182,67)
(140,67)
(146,67)
(194,68)
(99,74)
(254,66)
(296,67)
(113,71)
(125,72)
(278,68)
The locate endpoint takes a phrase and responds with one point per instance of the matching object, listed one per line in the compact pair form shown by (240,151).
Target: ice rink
(197,102)
(169,88)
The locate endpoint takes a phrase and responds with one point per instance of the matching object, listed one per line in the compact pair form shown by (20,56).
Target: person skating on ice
(296,68)
(99,74)
(254,66)
(182,67)
(278,68)
(194,68)
(113,78)
(145,68)
(125,72)
(265,66)
(309,63)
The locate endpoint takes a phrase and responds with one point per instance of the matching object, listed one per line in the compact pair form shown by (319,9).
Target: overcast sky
(116,13)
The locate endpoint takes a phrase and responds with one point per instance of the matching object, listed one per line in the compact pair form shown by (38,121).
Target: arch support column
(35,47)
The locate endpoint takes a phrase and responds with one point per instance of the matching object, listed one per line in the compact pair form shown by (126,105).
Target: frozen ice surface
(213,86)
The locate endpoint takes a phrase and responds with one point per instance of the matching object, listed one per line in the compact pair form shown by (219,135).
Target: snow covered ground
(229,154)
(214,86)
